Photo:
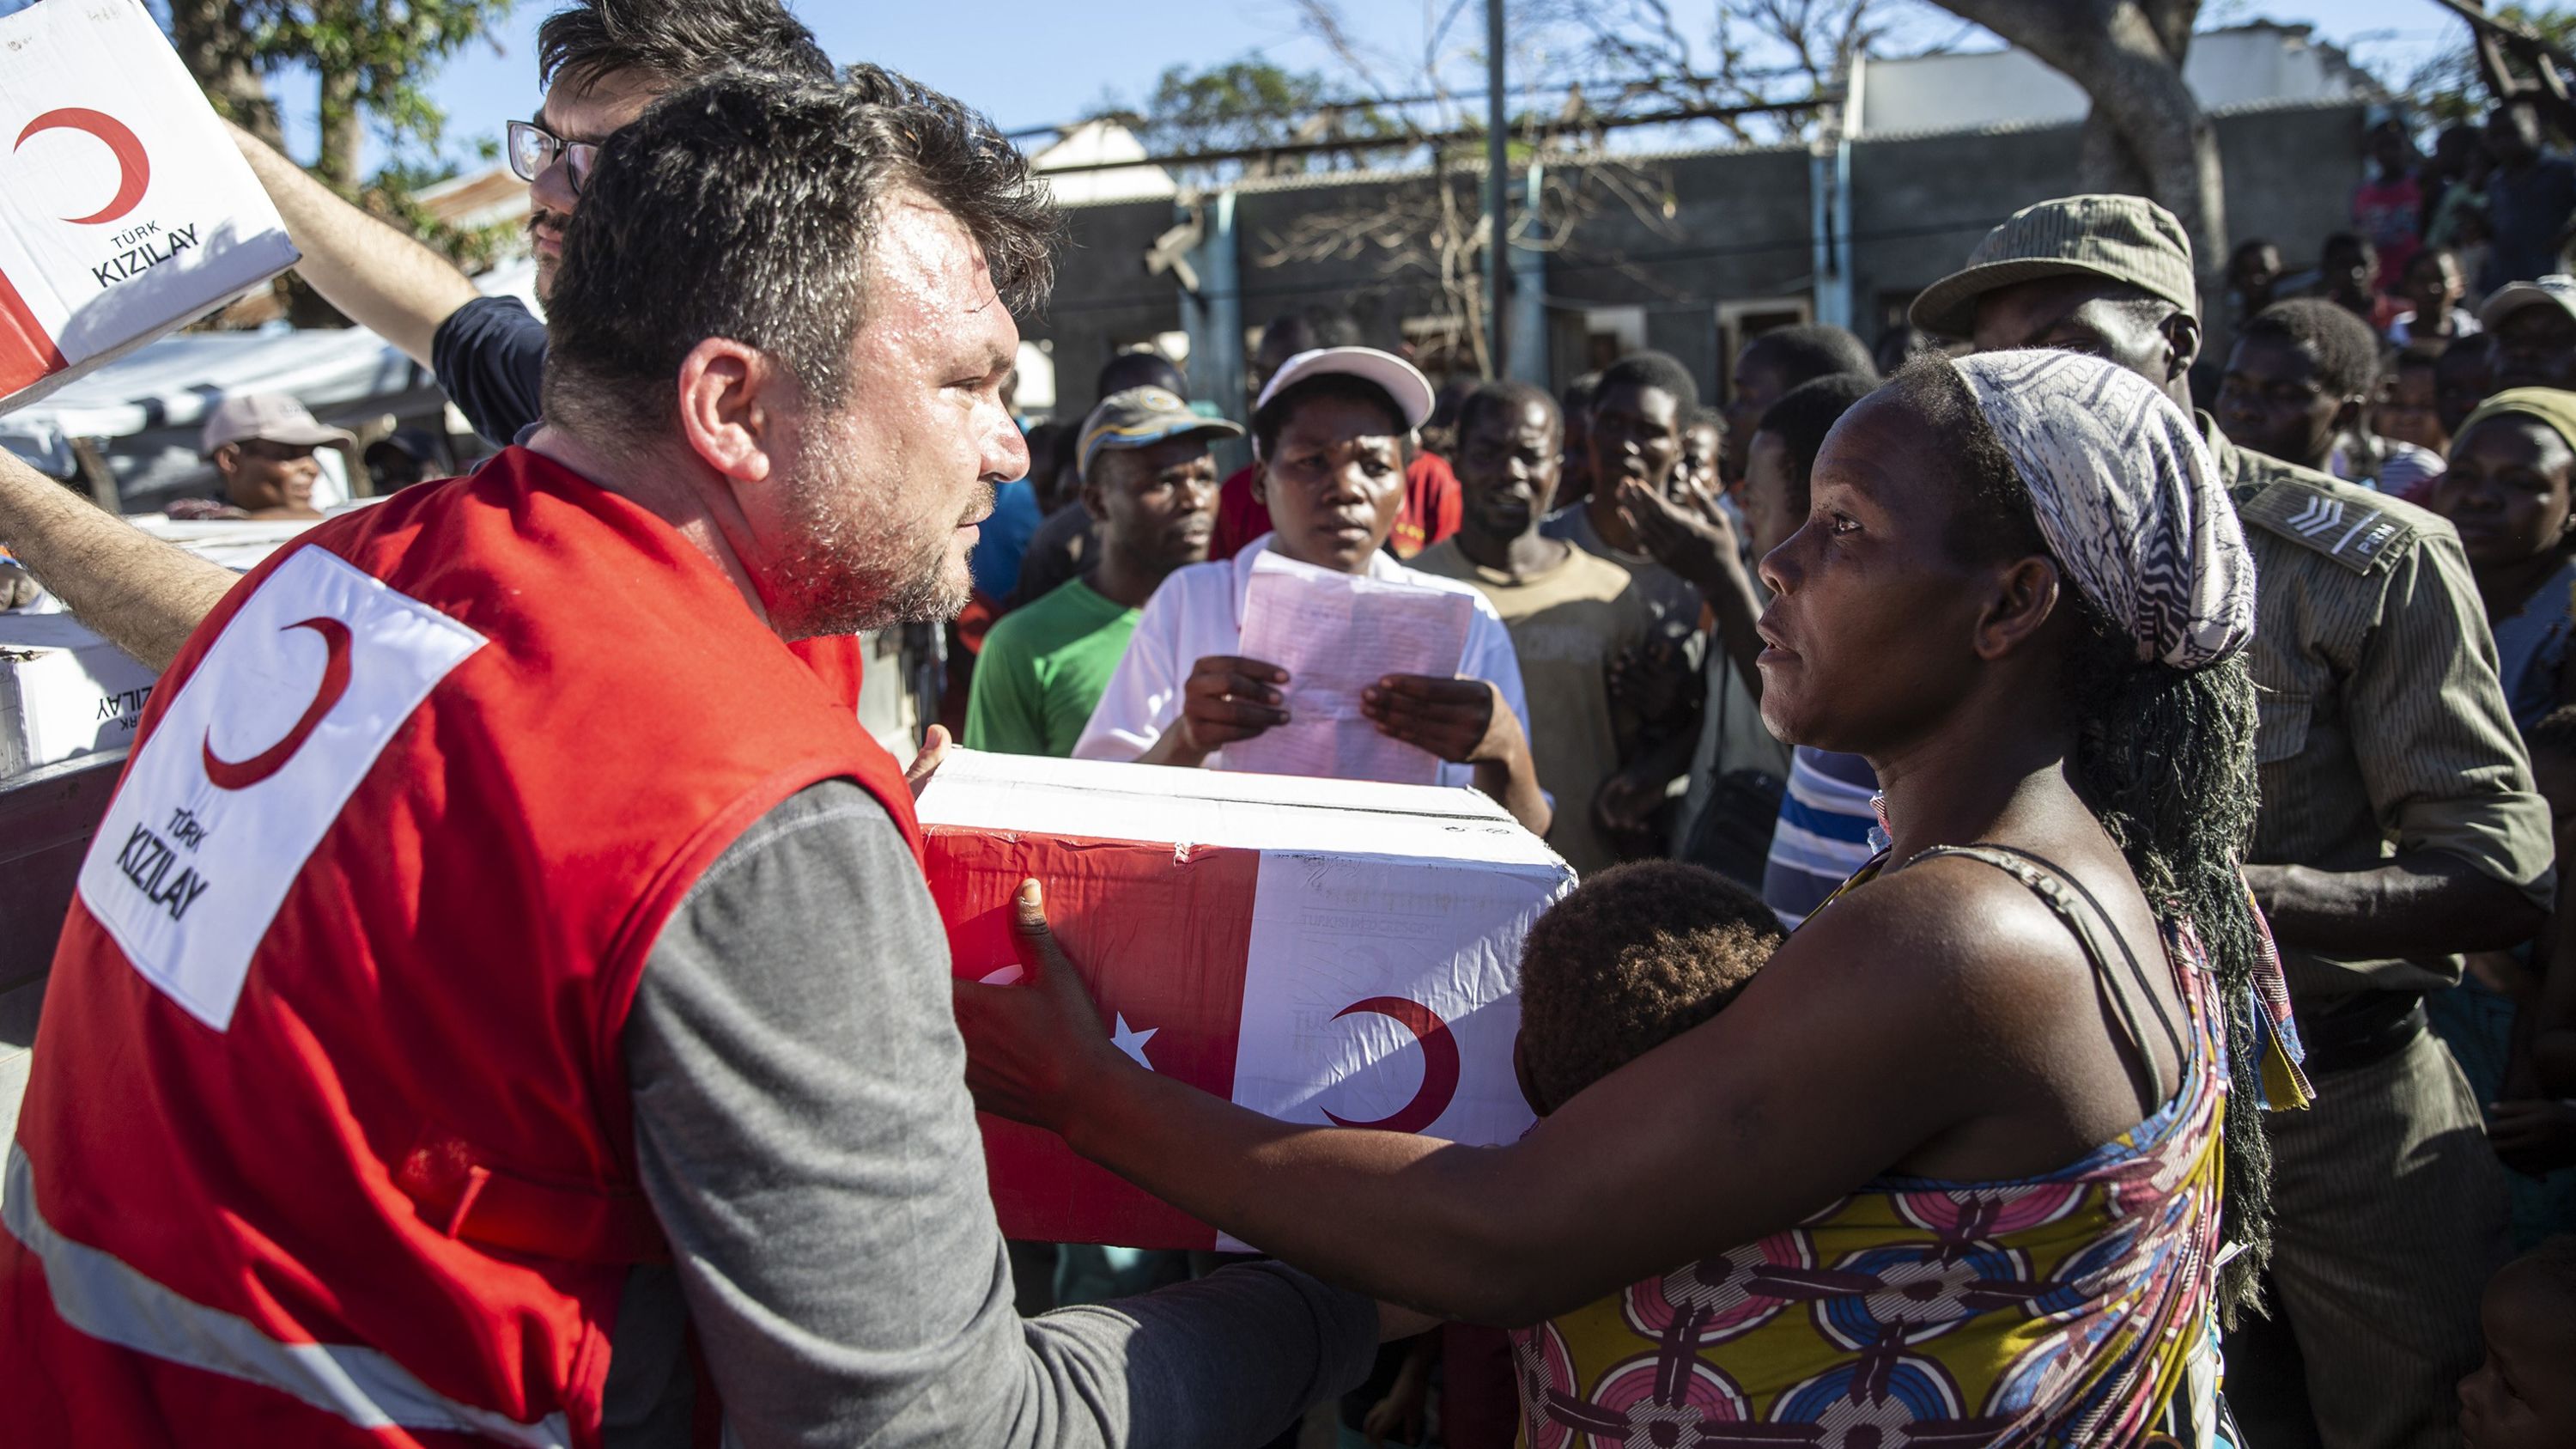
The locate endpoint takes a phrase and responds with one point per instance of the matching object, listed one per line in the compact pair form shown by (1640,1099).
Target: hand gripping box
(1321,951)
(125,208)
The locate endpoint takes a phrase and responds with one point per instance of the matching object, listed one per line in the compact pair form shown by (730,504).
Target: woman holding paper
(1313,651)
(2020,593)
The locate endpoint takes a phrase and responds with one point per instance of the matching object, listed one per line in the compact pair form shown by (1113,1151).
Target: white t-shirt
(1198,611)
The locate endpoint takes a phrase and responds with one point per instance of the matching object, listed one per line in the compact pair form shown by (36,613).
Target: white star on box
(1131,1041)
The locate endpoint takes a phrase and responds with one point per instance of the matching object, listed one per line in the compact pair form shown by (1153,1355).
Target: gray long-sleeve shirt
(806,1139)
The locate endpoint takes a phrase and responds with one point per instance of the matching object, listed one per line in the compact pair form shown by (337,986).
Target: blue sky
(1028,64)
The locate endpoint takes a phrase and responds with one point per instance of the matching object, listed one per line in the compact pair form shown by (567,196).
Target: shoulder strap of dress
(2060,891)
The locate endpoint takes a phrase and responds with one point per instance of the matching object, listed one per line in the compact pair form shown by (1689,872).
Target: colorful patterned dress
(2064,1309)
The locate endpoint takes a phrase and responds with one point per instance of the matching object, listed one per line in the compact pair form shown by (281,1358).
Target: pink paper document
(1337,634)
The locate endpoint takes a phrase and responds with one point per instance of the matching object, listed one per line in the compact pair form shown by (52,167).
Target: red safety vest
(328,1140)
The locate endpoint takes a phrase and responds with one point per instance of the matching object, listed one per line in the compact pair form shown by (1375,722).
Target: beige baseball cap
(2123,238)
(270,416)
(2555,290)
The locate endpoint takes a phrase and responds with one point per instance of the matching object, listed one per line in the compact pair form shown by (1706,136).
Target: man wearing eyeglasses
(603,62)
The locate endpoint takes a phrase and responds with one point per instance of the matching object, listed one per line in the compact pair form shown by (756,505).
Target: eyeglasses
(534,148)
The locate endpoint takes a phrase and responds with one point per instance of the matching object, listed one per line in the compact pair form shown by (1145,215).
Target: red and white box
(125,208)
(1321,951)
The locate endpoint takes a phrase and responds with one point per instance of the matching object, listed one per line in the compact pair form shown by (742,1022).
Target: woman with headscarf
(2508,492)
(1951,1164)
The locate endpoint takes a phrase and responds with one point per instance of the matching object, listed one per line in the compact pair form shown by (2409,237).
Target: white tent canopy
(148,405)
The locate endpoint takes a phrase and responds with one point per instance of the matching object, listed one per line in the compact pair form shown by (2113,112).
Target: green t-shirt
(1042,669)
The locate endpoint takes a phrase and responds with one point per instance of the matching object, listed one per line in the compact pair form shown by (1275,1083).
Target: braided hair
(2164,758)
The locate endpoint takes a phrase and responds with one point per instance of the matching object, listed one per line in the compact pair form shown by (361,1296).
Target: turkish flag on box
(1321,951)
(125,209)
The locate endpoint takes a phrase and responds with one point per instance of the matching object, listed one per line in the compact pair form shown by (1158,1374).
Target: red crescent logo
(228,775)
(1439,1063)
(134,169)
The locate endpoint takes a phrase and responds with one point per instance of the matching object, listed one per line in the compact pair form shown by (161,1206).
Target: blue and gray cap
(1140,417)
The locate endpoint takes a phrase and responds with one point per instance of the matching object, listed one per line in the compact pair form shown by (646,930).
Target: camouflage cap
(1140,417)
(2123,238)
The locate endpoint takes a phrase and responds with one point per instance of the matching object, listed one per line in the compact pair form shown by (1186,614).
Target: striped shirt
(1825,834)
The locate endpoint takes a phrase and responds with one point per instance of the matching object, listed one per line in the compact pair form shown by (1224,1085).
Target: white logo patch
(259,751)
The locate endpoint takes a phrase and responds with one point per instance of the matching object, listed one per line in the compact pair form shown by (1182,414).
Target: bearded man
(506,955)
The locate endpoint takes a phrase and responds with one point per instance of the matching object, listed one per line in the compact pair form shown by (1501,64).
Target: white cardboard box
(1317,950)
(125,208)
(64,692)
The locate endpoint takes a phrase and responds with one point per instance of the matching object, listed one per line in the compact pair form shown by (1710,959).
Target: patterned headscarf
(2127,497)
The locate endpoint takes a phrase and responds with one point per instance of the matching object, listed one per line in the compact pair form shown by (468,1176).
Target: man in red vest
(505,957)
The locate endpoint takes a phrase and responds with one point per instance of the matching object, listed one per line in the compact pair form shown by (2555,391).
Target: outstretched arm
(801,1137)
(143,595)
(1863,1038)
(385,281)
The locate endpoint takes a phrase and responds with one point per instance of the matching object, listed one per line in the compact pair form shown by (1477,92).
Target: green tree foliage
(370,60)
(1242,105)
(373,59)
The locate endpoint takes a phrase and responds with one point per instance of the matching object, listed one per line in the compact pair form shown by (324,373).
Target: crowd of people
(2069,947)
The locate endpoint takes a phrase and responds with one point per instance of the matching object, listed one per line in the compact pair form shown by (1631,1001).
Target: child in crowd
(2524,1395)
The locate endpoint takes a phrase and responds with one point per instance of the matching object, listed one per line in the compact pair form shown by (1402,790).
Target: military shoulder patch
(2353,526)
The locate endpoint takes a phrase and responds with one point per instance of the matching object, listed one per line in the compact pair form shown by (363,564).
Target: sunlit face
(2349,265)
(1507,467)
(588,114)
(1636,436)
(2272,401)
(2506,490)
(2434,285)
(1156,504)
(2255,269)
(264,477)
(1335,482)
(872,523)
(2410,413)
(1871,626)
(2083,314)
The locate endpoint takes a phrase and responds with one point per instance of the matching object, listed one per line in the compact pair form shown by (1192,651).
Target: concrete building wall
(1741,232)
(1104,300)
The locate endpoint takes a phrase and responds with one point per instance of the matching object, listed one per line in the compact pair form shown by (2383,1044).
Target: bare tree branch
(2147,133)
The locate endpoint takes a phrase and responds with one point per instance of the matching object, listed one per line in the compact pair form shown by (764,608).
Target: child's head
(2523,1396)
(1635,956)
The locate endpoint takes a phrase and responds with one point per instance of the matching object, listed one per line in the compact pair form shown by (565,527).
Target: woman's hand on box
(1034,1047)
